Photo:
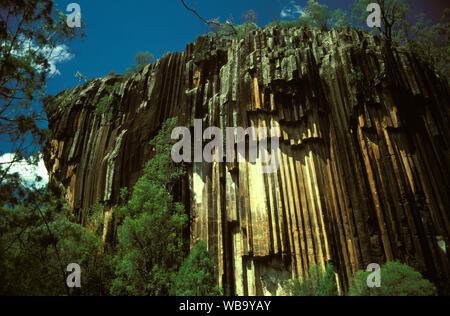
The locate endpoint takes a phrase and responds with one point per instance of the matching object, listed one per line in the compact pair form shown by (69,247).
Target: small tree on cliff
(142,59)
(396,280)
(196,275)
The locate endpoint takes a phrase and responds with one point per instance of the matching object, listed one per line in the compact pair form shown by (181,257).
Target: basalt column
(364,155)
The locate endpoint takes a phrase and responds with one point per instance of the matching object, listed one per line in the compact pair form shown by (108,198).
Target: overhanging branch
(209,23)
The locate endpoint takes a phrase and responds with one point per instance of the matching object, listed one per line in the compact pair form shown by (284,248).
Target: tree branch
(209,23)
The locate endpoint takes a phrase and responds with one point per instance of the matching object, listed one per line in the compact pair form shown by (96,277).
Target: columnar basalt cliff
(364,152)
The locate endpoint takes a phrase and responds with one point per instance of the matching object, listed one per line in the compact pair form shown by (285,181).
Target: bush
(196,275)
(396,280)
(36,245)
(104,105)
(316,283)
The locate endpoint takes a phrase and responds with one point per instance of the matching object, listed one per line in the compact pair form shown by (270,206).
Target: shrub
(104,105)
(316,283)
(196,275)
(396,280)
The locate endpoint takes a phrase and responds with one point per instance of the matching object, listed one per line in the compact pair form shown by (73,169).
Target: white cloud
(26,171)
(59,55)
(292,10)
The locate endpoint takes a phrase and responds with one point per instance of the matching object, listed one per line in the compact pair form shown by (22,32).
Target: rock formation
(364,153)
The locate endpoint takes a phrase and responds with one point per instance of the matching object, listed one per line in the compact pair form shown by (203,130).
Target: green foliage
(289,24)
(250,19)
(39,238)
(396,280)
(431,42)
(124,194)
(316,283)
(63,100)
(104,105)
(315,15)
(150,245)
(394,17)
(245,28)
(150,250)
(37,244)
(196,275)
(95,219)
(321,17)
(357,77)
(228,30)
(142,59)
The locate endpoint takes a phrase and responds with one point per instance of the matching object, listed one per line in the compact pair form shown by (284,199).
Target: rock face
(364,153)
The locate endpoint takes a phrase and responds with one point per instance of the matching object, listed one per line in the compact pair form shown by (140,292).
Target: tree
(320,16)
(250,19)
(150,245)
(317,283)
(37,242)
(196,275)
(431,42)
(393,17)
(396,280)
(142,59)
(32,35)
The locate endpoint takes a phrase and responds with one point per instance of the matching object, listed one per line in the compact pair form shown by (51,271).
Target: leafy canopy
(320,16)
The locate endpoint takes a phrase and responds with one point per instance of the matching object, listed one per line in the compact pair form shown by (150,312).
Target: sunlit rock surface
(364,154)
